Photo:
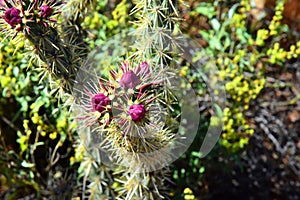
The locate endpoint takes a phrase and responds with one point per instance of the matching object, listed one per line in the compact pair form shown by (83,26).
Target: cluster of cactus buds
(19,15)
(124,91)
(36,21)
(127,110)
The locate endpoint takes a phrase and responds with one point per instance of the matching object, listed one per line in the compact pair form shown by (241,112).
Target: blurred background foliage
(36,131)
(251,43)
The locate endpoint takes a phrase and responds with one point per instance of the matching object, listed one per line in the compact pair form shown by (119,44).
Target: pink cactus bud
(142,69)
(137,112)
(99,102)
(46,11)
(12,16)
(129,80)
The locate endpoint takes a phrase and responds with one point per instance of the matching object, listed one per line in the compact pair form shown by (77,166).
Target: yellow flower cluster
(236,130)
(101,26)
(274,26)
(275,23)
(188,194)
(239,19)
(279,55)
(243,72)
(241,89)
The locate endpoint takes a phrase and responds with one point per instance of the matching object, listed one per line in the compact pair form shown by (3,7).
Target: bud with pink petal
(46,11)
(99,102)
(129,80)
(137,112)
(12,16)
(142,69)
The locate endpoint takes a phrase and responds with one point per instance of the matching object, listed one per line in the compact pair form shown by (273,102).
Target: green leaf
(206,10)
(227,43)
(202,170)
(204,34)
(196,161)
(215,43)
(232,10)
(31,175)
(215,24)
(196,154)
(24,103)
(37,104)
(27,164)
(175,175)
(16,71)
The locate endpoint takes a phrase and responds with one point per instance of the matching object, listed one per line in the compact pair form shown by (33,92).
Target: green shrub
(242,52)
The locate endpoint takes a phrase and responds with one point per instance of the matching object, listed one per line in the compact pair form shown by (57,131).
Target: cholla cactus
(125,116)
(37,21)
(73,15)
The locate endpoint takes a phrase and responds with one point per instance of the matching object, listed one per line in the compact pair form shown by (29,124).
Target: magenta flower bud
(142,69)
(137,112)
(99,102)
(12,16)
(46,11)
(129,80)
